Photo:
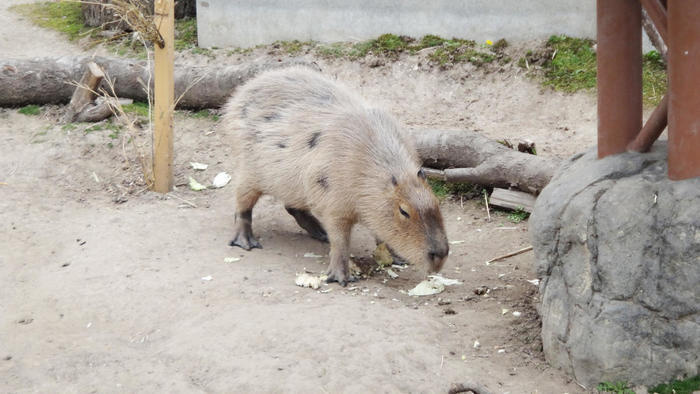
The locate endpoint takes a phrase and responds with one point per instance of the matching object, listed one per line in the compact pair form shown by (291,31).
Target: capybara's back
(334,161)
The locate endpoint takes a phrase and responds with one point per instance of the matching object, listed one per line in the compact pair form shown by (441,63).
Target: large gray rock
(617,246)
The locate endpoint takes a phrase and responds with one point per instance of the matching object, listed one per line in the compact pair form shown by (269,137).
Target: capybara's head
(408,219)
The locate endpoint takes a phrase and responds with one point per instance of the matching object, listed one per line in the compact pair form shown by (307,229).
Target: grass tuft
(457,50)
(571,66)
(31,110)
(294,47)
(138,108)
(205,114)
(65,17)
(185,34)
(686,386)
(517,216)
(443,190)
(614,387)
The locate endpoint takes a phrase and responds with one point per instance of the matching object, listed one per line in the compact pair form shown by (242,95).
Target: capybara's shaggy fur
(334,161)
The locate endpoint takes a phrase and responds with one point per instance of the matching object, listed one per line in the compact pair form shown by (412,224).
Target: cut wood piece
(84,93)
(512,199)
(47,80)
(96,112)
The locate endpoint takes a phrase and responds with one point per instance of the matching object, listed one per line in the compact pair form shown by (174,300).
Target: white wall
(245,23)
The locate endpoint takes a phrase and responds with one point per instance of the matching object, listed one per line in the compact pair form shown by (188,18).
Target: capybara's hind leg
(308,222)
(245,201)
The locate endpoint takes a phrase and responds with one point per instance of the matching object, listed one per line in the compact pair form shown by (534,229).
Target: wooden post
(619,74)
(164,98)
(684,89)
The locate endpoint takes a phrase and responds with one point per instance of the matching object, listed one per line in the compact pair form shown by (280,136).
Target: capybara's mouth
(436,264)
(398,259)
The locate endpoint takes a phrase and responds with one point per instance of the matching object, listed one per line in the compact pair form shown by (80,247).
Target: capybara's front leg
(243,235)
(339,238)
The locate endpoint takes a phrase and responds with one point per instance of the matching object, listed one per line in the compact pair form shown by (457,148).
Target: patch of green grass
(360,49)
(456,51)
(138,108)
(90,129)
(500,45)
(30,110)
(448,51)
(572,67)
(445,190)
(654,78)
(573,64)
(429,41)
(522,62)
(69,127)
(391,45)
(614,387)
(185,34)
(63,16)
(336,49)
(517,216)
(203,51)
(686,386)
(205,114)
(293,47)
(115,128)
(439,188)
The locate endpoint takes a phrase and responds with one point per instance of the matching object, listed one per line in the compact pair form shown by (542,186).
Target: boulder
(617,248)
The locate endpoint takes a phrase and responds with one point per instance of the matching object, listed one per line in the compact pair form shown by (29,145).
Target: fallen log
(465,156)
(460,155)
(51,80)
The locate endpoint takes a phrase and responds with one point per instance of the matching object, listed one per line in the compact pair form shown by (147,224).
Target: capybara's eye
(404,213)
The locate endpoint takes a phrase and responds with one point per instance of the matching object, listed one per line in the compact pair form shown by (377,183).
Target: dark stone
(617,245)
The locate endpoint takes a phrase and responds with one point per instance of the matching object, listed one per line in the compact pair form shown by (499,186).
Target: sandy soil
(101,285)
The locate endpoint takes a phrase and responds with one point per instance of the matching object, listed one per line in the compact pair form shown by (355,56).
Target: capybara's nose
(437,257)
(438,253)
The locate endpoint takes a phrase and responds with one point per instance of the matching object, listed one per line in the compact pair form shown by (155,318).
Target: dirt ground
(101,281)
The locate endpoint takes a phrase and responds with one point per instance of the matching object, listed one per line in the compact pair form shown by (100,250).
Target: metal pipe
(684,88)
(619,74)
(652,129)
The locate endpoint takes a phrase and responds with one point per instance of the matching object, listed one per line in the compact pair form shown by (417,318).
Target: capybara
(334,161)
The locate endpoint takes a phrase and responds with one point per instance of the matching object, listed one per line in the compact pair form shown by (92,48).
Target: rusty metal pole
(619,74)
(684,89)
(657,13)
(652,129)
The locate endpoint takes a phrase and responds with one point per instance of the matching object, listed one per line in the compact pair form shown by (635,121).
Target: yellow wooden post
(164,97)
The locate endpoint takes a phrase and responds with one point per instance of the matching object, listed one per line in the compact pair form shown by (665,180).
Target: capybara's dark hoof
(246,243)
(341,279)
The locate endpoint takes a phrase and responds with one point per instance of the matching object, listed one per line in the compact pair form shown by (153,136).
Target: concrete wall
(244,23)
